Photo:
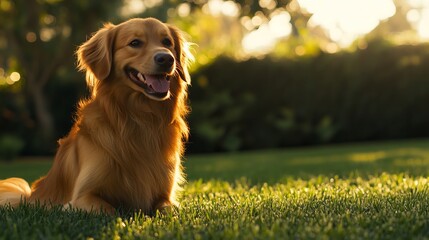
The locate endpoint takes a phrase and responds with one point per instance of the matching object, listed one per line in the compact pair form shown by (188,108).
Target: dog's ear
(95,55)
(183,55)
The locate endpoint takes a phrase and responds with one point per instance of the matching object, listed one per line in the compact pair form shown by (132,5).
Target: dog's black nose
(164,60)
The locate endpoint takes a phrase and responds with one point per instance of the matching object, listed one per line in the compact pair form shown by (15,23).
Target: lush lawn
(369,191)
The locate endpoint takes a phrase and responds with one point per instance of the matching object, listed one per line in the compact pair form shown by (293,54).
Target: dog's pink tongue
(159,83)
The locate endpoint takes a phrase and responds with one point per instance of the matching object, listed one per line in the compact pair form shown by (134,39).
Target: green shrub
(377,93)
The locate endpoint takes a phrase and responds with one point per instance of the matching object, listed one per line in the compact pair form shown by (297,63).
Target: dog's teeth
(140,76)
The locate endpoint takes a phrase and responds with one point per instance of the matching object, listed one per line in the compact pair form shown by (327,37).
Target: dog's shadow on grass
(53,222)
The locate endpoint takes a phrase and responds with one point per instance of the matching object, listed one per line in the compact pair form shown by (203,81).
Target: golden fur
(125,147)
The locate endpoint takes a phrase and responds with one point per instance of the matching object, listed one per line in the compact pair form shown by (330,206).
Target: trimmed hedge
(381,92)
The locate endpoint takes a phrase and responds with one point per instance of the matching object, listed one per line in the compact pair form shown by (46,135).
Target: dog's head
(144,54)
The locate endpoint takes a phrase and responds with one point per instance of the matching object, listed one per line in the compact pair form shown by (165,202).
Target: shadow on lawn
(38,221)
(365,160)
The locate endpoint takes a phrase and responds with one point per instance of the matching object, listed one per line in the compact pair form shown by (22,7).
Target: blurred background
(268,74)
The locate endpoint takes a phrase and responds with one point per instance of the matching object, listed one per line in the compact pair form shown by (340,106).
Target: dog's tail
(13,191)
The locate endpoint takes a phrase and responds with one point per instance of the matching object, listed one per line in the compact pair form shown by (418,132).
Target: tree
(39,37)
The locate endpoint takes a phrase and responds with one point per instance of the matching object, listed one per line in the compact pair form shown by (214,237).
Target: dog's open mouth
(155,86)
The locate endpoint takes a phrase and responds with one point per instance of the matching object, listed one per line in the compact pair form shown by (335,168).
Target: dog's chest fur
(142,156)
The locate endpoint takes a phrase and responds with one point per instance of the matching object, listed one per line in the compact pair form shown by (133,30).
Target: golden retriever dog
(124,149)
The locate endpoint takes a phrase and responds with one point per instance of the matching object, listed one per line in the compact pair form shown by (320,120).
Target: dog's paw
(106,209)
(165,209)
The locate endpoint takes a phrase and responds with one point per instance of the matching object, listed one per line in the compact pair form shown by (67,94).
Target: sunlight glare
(46,34)
(423,26)
(258,40)
(418,16)
(231,9)
(184,9)
(246,21)
(345,20)
(8,80)
(263,39)
(31,37)
(257,20)
(278,25)
(413,16)
(152,3)
(268,4)
(220,7)
(15,77)
(132,7)
(418,3)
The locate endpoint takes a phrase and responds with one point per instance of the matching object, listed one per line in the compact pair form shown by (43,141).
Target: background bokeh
(267,74)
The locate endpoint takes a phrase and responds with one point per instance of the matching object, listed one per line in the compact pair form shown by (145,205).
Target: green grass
(362,191)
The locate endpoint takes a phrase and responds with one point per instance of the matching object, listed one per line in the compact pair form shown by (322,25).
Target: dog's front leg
(85,193)
(91,179)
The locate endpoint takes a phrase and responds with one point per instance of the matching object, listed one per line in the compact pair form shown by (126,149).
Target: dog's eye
(167,42)
(135,43)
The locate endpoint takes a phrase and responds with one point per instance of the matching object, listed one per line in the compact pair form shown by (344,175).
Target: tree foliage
(38,40)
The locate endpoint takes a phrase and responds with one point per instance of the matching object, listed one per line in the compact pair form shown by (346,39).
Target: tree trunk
(44,118)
